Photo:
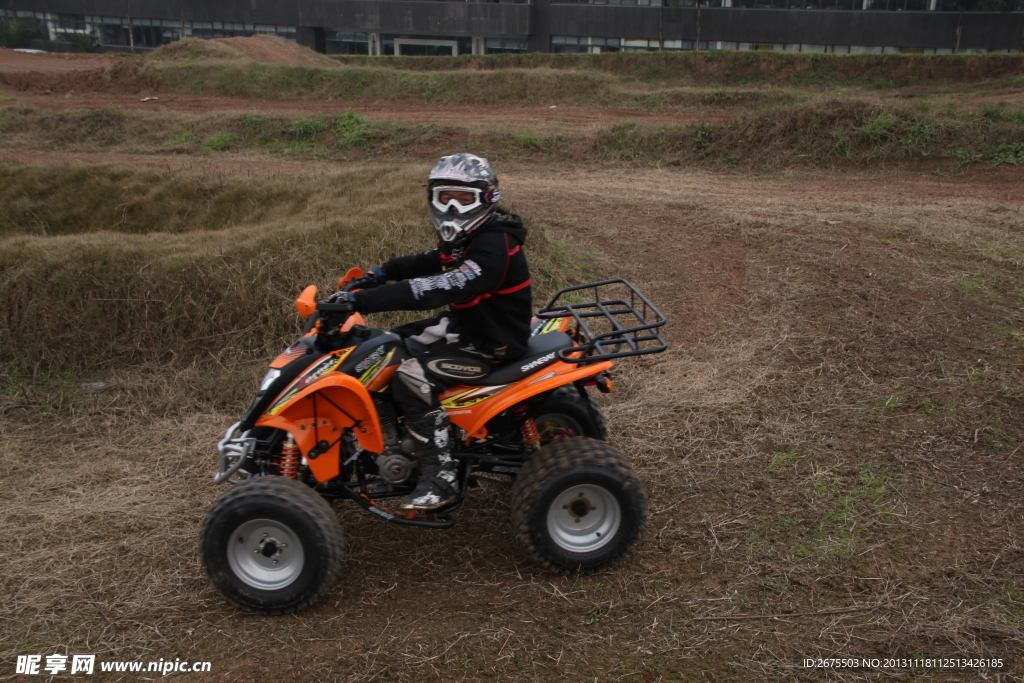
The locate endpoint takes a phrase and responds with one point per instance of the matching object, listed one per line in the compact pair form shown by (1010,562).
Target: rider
(479,270)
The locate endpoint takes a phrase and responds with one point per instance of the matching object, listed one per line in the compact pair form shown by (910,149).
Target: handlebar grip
(334,308)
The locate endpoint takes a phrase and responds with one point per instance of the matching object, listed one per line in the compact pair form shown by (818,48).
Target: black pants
(445,361)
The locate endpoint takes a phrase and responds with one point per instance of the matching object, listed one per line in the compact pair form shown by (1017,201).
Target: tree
(85,42)
(964,6)
(19,32)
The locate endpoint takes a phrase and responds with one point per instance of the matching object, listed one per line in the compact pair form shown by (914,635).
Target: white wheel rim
(583,519)
(265,554)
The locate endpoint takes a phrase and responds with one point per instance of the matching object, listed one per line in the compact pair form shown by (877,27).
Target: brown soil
(830,449)
(80,95)
(12,61)
(84,82)
(270,49)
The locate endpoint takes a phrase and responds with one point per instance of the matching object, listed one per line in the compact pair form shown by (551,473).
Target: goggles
(463,198)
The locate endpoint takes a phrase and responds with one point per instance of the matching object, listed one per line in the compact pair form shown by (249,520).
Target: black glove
(343,301)
(334,310)
(376,276)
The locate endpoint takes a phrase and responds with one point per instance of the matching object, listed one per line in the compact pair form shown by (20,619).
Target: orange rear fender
(473,417)
(320,412)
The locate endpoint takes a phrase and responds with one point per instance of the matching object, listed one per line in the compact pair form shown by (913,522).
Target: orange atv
(324,426)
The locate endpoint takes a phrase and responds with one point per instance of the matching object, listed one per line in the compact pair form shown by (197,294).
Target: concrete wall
(541,19)
(991,30)
(426,18)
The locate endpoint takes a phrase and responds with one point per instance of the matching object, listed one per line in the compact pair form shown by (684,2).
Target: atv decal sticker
(459,370)
(542,378)
(289,354)
(374,370)
(553,325)
(537,363)
(370,360)
(471,397)
(318,370)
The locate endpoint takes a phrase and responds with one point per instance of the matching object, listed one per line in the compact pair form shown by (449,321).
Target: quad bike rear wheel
(566,414)
(271,545)
(578,506)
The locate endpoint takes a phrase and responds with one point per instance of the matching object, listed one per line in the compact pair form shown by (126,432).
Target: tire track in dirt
(734,260)
(566,118)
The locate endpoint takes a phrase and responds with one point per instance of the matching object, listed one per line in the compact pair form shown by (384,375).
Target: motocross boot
(439,482)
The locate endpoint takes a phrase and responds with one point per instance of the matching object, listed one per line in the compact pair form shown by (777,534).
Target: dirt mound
(264,49)
(270,49)
(12,61)
(195,49)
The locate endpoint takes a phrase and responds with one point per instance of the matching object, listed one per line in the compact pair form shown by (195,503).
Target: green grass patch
(307,129)
(219,142)
(778,461)
(974,288)
(531,141)
(893,403)
(183,138)
(1011,154)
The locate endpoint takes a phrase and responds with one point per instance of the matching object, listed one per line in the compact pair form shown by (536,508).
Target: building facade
(444,27)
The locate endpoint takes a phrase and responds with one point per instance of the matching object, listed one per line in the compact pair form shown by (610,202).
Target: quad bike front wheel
(578,506)
(271,545)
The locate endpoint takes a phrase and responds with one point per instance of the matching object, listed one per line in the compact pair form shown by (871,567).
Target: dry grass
(730,68)
(831,446)
(823,132)
(269,68)
(180,266)
(835,428)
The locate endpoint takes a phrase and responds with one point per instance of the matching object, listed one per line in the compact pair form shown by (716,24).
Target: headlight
(269,378)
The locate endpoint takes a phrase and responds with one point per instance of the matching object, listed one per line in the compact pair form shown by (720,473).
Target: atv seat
(541,351)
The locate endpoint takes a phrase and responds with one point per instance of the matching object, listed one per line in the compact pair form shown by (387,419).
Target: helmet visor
(463,199)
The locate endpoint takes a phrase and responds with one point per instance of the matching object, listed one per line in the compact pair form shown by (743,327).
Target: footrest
(431,519)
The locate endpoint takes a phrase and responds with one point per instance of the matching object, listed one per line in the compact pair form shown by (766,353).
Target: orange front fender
(320,412)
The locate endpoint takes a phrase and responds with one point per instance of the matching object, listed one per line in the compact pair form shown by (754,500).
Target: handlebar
(360,283)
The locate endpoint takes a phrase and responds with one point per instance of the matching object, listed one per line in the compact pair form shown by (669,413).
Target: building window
(500,45)
(595,45)
(640,3)
(419,46)
(342,43)
(641,45)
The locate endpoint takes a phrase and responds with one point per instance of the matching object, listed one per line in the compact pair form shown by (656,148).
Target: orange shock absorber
(528,427)
(289,459)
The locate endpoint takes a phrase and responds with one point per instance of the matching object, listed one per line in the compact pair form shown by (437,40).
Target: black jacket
(484,279)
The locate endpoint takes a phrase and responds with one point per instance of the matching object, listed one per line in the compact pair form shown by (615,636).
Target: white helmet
(462,191)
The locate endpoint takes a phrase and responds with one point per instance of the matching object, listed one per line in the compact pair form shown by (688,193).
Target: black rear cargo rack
(617,321)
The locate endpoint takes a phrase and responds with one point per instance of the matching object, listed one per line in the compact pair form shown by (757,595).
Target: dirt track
(831,451)
(12,61)
(540,118)
(85,87)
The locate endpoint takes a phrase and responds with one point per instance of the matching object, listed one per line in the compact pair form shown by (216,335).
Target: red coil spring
(289,459)
(528,427)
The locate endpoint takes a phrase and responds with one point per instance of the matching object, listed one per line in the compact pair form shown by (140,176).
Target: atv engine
(395,468)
